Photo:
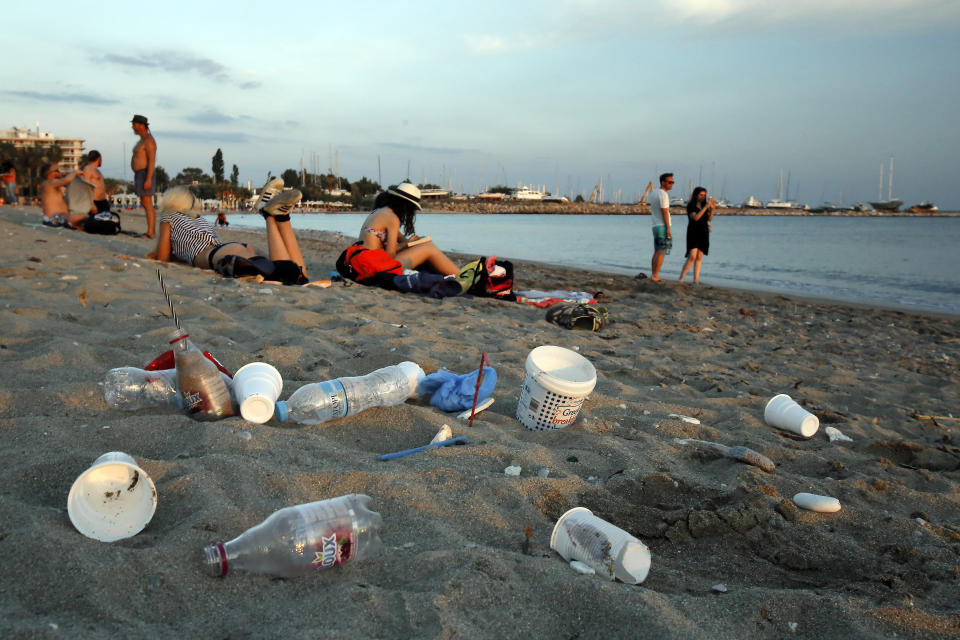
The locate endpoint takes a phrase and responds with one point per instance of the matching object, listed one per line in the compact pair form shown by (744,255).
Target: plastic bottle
(300,539)
(322,401)
(130,389)
(205,396)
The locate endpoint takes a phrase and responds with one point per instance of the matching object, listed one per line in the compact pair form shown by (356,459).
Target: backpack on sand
(105,223)
(488,278)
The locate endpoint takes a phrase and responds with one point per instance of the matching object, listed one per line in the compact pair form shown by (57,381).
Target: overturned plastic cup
(256,386)
(783,412)
(604,547)
(113,499)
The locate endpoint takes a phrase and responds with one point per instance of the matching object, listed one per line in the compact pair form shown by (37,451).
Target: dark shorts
(660,240)
(139,177)
(11,192)
(102,205)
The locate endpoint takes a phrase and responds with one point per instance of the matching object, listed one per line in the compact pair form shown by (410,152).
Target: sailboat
(779,202)
(891,203)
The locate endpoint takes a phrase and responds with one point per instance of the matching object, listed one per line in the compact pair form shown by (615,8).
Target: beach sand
(888,565)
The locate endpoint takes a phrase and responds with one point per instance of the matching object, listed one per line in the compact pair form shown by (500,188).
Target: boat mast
(890,181)
(880,188)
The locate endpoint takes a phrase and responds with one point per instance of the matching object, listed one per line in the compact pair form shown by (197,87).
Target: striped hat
(407,191)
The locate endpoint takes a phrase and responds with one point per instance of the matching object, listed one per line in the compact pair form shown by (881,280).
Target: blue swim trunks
(660,240)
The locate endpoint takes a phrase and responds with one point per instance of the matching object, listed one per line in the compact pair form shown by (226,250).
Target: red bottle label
(335,549)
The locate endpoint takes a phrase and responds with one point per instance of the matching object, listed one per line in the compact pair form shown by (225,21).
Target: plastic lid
(280,411)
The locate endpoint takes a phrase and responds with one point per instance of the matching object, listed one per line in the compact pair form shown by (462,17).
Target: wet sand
(888,564)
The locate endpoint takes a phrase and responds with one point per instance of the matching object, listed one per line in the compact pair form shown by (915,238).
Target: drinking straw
(476,391)
(442,443)
(173,311)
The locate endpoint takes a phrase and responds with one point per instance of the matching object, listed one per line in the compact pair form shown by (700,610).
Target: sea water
(898,262)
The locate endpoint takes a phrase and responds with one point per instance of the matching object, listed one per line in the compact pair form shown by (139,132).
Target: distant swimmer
(144,163)
(660,217)
(91,173)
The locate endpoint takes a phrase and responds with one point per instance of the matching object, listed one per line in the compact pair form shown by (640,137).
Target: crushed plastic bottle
(298,540)
(324,401)
(130,389)
(205,396)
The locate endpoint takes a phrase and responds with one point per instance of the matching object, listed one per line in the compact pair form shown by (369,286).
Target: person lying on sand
(56,213)
(381,230)
(189,238)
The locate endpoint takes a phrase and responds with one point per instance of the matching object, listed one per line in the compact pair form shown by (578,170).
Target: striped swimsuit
(188,236)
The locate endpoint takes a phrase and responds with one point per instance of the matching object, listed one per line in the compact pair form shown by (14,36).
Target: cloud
(210,116)
(177,63)
(400,146)
(85,98)
(210,136)
(892,13)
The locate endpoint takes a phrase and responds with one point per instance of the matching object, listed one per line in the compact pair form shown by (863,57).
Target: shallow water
(907,263)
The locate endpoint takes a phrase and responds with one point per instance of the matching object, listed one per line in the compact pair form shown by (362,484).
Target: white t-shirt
(659,204)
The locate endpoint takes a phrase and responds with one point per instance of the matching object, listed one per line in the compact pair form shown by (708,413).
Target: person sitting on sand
(191,239)
(56,213)
(700,213)
(381,230)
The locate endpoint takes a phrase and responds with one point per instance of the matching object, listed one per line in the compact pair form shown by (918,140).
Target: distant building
(72,148)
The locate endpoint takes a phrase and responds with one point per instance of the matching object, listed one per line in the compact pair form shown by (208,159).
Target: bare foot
(656,279)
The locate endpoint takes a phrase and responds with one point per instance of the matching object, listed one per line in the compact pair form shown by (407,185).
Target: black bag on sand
(285,271)
(105,223)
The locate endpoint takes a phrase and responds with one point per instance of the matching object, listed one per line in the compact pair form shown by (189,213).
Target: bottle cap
(280,411)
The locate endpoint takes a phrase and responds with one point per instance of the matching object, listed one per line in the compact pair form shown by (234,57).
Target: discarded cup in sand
(607,549)
(113,499)
(256,387)
(557,382)
(784,413)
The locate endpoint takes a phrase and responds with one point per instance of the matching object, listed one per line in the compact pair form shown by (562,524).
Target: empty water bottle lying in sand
(323,401)
(301,539)
(130,389)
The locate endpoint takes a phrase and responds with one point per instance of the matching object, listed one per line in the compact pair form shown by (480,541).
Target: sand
(887,565)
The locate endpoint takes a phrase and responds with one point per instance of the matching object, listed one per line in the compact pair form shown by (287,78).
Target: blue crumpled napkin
(452,392)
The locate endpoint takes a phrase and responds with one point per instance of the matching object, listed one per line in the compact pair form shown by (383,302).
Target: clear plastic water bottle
(301,539)
(323,401)
(205,396)
(130,389)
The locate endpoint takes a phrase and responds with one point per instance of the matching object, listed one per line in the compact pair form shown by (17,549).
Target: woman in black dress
(699,214)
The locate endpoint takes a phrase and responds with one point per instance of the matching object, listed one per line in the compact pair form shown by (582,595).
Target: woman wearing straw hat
(381,230)
(189,238)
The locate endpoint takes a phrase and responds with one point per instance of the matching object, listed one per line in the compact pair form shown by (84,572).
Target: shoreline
(457,561)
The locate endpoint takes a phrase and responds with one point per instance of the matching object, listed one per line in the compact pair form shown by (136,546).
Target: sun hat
(179,199)
(407,191)
(138,119)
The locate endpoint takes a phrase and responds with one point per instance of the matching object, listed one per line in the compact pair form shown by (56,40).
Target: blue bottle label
(338,398)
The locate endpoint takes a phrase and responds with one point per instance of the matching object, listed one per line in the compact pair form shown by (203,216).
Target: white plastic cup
(256,386)
(784,413)
(558,380)
(605,548)
(113,499)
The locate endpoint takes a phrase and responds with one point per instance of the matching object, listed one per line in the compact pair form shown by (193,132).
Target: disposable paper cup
(607,549)
(784,413)
(558,380)
(113,499)
(256,386)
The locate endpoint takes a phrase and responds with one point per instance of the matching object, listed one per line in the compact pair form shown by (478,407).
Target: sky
(562,94)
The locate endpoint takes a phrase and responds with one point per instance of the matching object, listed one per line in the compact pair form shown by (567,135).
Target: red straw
(476,391)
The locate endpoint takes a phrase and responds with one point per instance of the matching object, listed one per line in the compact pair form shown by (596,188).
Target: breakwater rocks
(584,208)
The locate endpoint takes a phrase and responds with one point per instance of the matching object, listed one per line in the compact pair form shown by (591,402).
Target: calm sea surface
(910,263)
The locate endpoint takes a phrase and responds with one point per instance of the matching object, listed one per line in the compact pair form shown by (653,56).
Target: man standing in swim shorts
(660,217)
(143,163)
